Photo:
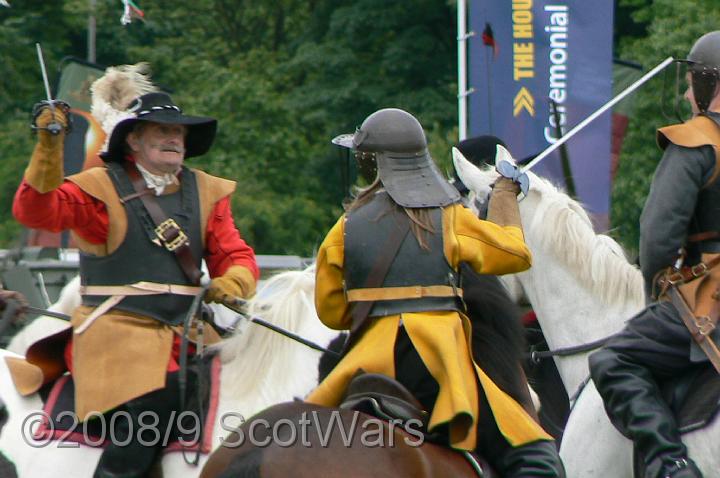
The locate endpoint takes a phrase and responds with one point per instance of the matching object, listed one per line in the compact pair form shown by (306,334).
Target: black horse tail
(328,361)
(498,337)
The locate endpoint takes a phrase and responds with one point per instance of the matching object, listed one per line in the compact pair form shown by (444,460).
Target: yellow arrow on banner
(523,100)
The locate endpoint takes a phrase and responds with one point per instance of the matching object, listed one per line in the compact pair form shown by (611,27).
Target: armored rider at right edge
(679,257)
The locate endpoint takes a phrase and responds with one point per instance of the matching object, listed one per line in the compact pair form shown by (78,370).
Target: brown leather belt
(118,292)
(397,293)
(140,288)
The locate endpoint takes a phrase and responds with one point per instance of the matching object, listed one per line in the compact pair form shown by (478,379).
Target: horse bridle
(537,355)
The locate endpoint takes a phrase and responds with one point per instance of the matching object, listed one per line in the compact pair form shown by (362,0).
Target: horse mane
(565,230)
(257,359)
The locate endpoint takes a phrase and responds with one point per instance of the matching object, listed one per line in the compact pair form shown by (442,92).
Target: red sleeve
(224,246)
(67,207)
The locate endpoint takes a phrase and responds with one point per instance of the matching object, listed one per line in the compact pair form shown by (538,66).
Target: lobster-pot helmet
(704,68)
(396,141)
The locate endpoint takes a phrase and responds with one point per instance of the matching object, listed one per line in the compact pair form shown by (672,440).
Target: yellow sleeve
(330,303)
(485,246)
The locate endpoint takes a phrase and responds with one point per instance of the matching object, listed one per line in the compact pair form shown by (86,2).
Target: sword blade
(44,75)
(597,113)
(57,315)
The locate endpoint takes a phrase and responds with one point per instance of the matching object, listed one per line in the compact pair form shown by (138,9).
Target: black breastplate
(139,259)
(365,231)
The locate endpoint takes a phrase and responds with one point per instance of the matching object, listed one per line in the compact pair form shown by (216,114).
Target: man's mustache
(174,148)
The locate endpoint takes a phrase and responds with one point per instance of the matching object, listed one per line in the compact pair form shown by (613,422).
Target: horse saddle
(59,421)
(694,398)
(382,397)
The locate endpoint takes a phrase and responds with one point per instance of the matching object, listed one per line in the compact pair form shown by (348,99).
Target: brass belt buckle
(170,243)
(705,325)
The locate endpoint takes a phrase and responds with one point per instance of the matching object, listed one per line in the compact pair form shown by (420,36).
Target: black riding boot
(683,468)
(539,458)
(134,444)
(633,403)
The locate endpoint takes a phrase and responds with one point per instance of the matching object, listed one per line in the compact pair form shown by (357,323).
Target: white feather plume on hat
(114,91)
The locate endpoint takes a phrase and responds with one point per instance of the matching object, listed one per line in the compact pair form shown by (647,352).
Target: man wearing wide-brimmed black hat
(143,224)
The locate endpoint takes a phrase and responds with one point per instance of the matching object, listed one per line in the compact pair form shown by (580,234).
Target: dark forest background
(284,77)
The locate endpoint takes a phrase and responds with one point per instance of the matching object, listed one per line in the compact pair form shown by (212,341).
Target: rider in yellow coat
(419,302)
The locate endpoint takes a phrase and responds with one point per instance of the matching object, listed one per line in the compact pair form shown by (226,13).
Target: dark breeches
(534,459)
(653,347)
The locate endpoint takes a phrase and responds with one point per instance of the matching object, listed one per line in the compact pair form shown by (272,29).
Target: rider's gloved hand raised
(45,171)
(503,205)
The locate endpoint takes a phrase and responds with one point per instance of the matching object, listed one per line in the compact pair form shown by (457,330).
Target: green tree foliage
(672,28)
(282,78)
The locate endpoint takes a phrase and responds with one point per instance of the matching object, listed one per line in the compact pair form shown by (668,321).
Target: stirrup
(670,467)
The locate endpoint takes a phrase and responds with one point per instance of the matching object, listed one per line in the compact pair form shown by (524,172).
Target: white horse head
(582,289)
(45,325)
(567,256)
(261,366)
(259,369)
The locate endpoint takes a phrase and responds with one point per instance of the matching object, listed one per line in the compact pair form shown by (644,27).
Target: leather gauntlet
(45,171)
(503,205)
(237,282)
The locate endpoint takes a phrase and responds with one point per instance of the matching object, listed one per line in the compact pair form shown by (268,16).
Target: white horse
(45,325)
(582,289)
(259,368)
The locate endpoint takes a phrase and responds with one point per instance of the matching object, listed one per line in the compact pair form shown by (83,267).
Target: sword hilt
(54,127)
(506,165)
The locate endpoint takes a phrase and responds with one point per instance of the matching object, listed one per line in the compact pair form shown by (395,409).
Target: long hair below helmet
(408,173)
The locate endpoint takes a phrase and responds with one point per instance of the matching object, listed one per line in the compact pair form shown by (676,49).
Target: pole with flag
(131,10)
(488,38)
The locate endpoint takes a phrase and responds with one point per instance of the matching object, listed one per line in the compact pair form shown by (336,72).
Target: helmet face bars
(704,68)
(396,141)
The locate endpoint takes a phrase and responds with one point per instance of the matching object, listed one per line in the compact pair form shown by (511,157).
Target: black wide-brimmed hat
(159,108)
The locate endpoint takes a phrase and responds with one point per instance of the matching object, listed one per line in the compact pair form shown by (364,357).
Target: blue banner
(528,54)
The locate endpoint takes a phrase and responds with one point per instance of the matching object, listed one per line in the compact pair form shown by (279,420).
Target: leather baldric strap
(700,327)
(168,232)
(376,277)
(399,293)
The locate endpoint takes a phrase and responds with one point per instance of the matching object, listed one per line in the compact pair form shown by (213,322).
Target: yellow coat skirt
(441,338)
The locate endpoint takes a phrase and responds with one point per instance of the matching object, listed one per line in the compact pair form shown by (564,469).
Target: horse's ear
(471,175)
